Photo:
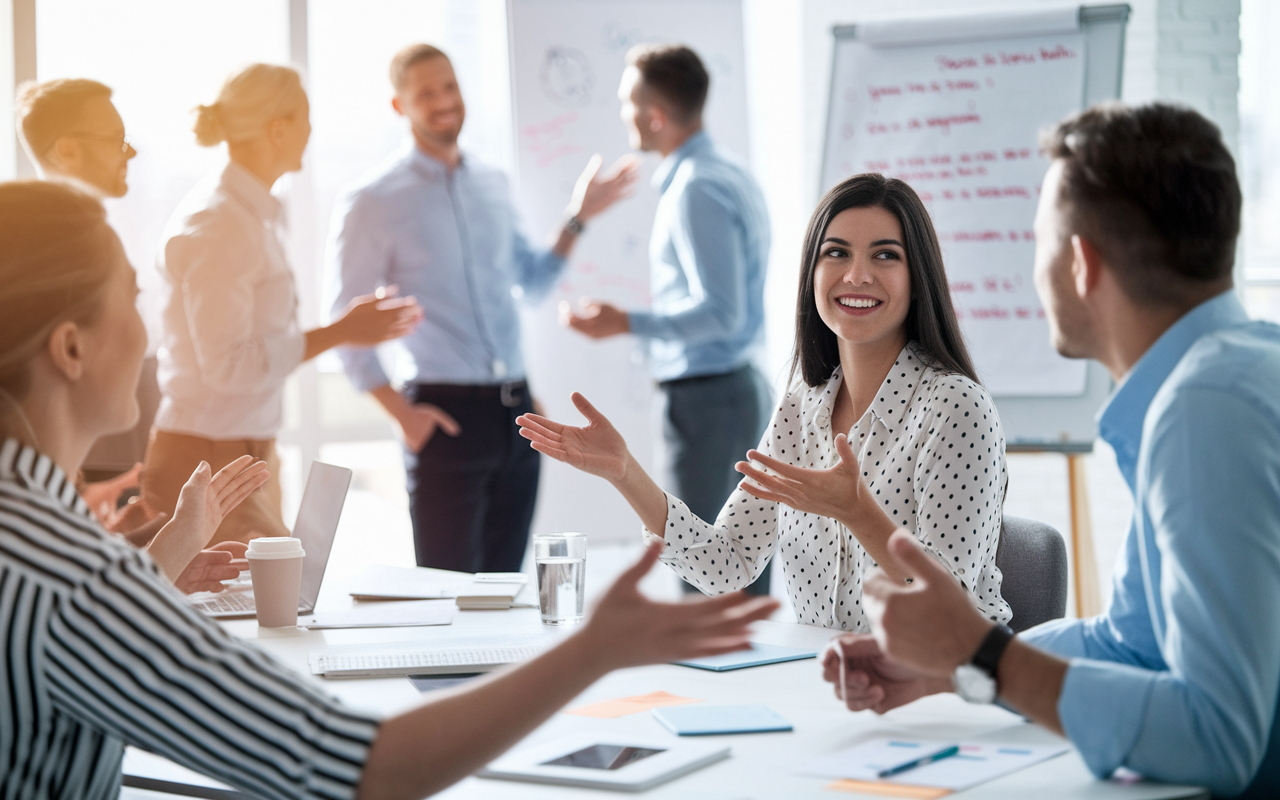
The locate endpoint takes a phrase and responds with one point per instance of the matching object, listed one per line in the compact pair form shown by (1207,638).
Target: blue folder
(758,655)
(710,720)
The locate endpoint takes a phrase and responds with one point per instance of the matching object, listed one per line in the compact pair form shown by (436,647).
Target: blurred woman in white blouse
(884,426)
(230,335)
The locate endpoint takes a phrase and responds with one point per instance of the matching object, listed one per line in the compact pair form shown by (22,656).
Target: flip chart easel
(954,106)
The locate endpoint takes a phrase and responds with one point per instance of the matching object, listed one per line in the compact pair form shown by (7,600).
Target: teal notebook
(758,655)
(711,720)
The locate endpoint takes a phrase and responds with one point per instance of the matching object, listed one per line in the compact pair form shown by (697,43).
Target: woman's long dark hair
(931,320)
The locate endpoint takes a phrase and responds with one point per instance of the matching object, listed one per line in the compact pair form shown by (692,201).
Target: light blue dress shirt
(1179,679)
(451,239)
(707,255)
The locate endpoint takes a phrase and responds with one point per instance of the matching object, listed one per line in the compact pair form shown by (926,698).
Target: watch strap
(987,658)
(574,225)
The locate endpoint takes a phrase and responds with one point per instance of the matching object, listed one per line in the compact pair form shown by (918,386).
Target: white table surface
(761,765)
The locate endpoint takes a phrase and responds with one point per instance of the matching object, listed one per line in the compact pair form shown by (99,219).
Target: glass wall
(1260,156)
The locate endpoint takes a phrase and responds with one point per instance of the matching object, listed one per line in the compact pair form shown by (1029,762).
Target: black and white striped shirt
(100,651)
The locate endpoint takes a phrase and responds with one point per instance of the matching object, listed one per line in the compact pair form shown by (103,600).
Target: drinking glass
(561,560)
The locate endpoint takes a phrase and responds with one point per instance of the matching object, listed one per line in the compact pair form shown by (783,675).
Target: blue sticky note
(758,655)
(710,720)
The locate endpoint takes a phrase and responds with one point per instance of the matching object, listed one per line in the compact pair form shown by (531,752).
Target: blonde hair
(57,256)
(247,102)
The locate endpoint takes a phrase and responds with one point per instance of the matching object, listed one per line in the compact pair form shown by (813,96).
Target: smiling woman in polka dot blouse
(884,427)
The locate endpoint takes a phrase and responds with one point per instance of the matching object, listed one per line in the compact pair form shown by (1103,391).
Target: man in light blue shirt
(1179,679)
(707,255)
(441,226)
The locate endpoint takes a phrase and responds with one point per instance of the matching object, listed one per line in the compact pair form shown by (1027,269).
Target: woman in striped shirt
(100,651)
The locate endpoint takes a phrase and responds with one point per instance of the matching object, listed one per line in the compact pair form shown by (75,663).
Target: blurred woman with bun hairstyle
(230,327)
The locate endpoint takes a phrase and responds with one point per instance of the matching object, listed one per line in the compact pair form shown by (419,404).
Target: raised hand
(371,319)
(597,448)
(865,678)
(202,505)
(629,629)
(103,497)
(209,568)
(594,193)
(838,492)
(599,320)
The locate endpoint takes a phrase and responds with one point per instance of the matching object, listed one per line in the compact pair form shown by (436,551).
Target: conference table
(760,766)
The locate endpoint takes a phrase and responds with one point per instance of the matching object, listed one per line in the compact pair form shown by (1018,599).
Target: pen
(919,762)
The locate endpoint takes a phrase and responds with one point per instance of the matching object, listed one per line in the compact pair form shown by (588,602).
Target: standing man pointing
(707,255)
(439,224)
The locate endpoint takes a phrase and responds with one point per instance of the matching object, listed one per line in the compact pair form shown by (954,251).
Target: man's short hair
(48,111)
(676,74)
(409,56)
(1154,189)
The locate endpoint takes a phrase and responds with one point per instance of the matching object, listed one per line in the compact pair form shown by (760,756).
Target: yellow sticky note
(611,709)
(889,789)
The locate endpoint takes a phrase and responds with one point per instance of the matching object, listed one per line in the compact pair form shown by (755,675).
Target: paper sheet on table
(409,613)
(379,581)
(611,709)
(974,764)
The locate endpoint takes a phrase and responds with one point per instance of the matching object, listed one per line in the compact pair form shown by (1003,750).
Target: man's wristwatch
(976,681)
(574,225)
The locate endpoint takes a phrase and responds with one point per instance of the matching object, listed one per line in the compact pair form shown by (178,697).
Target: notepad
(479,592)
(433,657)
(713,720)
(757,656)
(409,613)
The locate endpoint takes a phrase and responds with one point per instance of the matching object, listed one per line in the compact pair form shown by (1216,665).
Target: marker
(919,762)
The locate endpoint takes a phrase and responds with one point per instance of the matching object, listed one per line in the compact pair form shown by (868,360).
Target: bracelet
(574,225)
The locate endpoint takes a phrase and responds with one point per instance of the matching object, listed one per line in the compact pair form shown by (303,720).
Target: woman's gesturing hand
(628,629)
(202,505)
(839,492)
(598,448)
(209,568)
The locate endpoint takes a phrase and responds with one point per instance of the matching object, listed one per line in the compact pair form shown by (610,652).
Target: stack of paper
(478,592)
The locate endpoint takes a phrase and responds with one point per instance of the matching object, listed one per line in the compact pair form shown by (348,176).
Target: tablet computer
(621,763)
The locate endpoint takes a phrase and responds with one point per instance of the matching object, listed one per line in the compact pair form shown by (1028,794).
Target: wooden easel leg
(1084,562)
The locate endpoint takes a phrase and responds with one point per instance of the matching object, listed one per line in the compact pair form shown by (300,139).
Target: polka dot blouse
(932,451)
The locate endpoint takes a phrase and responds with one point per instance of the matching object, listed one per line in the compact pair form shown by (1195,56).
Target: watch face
(973,684)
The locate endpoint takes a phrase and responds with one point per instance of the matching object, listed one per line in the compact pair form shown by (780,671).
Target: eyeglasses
(125,144)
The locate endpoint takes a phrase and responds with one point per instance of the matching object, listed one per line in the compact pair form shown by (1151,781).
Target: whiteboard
(567,58)
(954,106)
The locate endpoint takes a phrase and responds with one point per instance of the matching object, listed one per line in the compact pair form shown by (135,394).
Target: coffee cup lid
(269,547)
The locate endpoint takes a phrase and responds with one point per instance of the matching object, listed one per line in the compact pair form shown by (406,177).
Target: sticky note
(621,707)
(889,789)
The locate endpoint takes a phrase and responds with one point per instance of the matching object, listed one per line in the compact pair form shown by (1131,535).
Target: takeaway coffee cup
(275,564)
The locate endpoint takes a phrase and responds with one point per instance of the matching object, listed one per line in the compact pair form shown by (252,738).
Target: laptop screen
(317,524)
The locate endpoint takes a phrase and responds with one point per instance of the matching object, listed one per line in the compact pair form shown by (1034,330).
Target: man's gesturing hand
(929,625)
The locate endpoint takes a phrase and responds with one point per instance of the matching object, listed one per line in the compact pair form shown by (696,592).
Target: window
(1260,157)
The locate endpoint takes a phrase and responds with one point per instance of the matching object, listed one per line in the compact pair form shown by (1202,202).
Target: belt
(695,379)
(510,395)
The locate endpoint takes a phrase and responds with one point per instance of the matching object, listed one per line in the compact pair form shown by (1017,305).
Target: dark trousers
(471,497)
(709,423)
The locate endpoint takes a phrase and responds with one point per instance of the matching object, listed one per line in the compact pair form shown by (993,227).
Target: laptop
(316,526)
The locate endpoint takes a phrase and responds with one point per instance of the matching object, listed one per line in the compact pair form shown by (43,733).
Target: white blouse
(231,334)
(931,447)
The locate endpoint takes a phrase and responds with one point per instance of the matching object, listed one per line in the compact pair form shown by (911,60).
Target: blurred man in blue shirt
(707,254)
(1179,679)
(441,226)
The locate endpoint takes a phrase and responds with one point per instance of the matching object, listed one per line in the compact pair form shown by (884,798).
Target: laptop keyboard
(226,601)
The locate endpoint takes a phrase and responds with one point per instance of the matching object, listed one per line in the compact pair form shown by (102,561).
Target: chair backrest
(1033,559)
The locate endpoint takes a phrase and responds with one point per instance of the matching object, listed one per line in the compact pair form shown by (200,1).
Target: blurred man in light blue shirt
(707,254)
(1179,679)
(440,225)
